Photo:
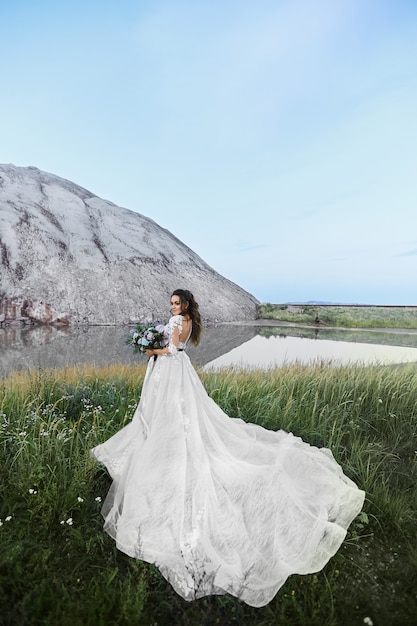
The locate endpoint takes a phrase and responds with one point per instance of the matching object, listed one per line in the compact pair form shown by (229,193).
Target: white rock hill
(68,256)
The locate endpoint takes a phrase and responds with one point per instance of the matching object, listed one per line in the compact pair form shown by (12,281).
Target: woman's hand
(150,353)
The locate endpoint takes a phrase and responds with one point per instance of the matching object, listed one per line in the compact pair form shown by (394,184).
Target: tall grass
(58,567)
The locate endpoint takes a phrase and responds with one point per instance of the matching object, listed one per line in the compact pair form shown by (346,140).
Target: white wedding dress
(217,504)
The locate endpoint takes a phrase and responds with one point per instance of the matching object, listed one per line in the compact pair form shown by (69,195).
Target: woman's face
(177,307)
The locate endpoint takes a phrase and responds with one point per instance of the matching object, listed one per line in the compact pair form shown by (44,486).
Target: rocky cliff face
(67,256)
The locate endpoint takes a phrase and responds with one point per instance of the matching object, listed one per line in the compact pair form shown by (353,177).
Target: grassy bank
(346,316)
(58,567)
(406,338)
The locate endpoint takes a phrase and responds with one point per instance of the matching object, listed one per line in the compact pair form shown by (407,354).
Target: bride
(217,504)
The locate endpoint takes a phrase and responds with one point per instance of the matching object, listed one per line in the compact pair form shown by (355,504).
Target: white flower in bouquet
(148,337)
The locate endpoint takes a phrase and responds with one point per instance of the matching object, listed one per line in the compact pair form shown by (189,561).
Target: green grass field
(342,316)
(57,567)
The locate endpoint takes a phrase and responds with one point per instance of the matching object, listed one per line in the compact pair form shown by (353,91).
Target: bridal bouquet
(148,337)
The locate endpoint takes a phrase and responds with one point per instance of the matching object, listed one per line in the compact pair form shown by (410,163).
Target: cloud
(247,246)
(408,253)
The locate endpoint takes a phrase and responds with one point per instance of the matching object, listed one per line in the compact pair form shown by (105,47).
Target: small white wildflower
(8,518)
(22,433)
(80,499)
(69,521)
(33,491)
(98,499)
(380,402)
(368,621)
(62,522)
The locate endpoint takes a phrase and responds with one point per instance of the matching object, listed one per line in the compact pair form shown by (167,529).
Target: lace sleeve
(175,326)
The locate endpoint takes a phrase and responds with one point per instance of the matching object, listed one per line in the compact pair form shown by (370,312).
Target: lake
(265,352)
(253,344)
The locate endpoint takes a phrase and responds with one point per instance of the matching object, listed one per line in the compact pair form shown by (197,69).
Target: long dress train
(217,504)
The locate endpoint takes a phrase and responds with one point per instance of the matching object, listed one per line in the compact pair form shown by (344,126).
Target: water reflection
(50,347)
(265,352)
(252,344)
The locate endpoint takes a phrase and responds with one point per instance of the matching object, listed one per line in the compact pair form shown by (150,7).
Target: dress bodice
(176,322)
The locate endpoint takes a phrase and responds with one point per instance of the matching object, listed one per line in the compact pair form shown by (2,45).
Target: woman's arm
(174,341)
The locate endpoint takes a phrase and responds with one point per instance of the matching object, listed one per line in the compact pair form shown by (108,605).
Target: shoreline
(271,322)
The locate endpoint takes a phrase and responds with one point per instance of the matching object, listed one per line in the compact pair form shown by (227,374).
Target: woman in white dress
(217,504)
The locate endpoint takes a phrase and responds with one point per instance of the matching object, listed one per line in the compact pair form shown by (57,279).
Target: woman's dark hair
(186,297)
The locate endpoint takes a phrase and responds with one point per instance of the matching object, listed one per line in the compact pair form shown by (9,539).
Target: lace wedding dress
(217,504)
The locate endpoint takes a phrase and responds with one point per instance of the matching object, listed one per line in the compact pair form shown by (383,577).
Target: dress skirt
(217,504)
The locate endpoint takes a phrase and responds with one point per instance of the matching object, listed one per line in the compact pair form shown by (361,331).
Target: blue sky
(277,139)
